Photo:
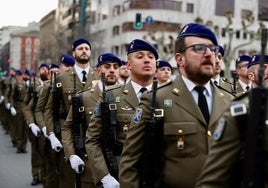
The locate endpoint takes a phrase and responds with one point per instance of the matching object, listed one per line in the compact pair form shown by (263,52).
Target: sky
(22,12)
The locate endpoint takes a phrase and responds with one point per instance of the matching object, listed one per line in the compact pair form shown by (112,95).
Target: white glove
(77,164)
(13,111)
(2,99)
(8,105)
(109,181)
(55,143)
(44,131)
(35,129)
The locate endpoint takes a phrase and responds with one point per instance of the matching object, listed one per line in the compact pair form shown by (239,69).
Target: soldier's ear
(179,57)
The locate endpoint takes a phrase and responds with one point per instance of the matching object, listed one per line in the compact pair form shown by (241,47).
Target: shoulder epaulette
(226,80)
(116,86)
(221,88)
(241,95)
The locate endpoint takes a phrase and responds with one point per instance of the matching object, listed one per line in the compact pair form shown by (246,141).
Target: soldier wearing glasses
(187,133)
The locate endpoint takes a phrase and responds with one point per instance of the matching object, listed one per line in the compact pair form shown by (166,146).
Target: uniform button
(209,133)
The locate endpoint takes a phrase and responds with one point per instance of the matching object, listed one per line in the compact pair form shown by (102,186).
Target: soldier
(224,165)
(124,75)
(34,87)
(78,78)
(217,79)
(243,84)
(49,179)
(163,71)
(188,113)
(17,105)
(108,64)
(141,62)
(9,82)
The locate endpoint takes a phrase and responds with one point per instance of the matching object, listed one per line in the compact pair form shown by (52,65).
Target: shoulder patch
(219,129)
(96,111)
(137,115)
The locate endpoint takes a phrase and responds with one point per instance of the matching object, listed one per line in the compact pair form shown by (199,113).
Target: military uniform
(65,82)
(37,160)
(88,100)
(126,100)
(18,96)
(224,84)
(182,165)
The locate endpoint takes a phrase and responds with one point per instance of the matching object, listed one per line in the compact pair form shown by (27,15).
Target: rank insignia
(137,115)
(168,103)
(117,99)
(96,110)
(219,129)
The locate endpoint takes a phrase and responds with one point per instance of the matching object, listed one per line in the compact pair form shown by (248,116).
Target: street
(15,169)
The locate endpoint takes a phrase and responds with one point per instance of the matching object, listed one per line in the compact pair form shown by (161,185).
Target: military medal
(125,127)
(180,142)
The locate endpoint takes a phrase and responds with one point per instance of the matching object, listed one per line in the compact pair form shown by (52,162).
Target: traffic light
(138,21)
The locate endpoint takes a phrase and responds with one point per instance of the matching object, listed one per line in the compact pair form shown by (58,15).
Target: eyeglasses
(202,48)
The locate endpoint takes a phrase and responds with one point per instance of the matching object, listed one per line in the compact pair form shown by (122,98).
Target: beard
(82,60)
(43,77)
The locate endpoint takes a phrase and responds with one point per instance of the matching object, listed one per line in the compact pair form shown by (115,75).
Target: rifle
(151,161)
(56,117)
(254,164)
(235,79)
(109,145)
(79,145)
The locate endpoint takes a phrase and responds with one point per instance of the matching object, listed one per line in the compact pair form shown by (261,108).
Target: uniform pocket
(183,132)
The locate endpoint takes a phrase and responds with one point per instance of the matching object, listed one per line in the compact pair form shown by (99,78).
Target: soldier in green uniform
(18,94)
(78,78)
(243,84)
(37,159)
(217,79)
(224,164)
(49,179)
(108,64)
(9,83)
(163,71)
(189,114)
(141,62)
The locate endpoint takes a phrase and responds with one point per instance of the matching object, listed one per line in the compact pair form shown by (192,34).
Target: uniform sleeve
(28,113)
(132,149)
(67,137)
(40,106)
(223,154)
(49,114)
(94,151)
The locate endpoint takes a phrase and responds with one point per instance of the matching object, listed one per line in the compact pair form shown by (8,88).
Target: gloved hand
(8,105)
(35,129)
(109,181)
(77,164)
(44,131)
(2,99)
(55,143)
(13,111)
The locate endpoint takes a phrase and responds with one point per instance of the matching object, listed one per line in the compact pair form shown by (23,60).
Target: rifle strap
(83,112)
(60,96)
(112,107)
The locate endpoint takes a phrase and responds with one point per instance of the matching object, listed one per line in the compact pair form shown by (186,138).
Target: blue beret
(79,41)
(221,50)
(256,59)
(43,65)
(199,30)
(108,58)
(138,45)
(242,58)
(123,62)
(53,65)
(27,72)
(67,59)
(33,74)
(19,72)
(162,63)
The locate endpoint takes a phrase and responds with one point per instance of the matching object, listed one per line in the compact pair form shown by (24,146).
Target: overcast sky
(22,12)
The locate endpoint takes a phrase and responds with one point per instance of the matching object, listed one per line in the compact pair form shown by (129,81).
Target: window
(224,6)
(223,32)
(245,36)
(237,34)
(116,10)
(190,8)
(116,30)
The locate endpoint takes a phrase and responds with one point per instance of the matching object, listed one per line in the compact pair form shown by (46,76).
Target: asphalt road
(15,169)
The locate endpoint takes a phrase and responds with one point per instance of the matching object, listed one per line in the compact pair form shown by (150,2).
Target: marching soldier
(226,163)
(142,65)
(221,82)
(57,108)
(188,113)
(163,71)
(37,160)
(108,64)
(243,83)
